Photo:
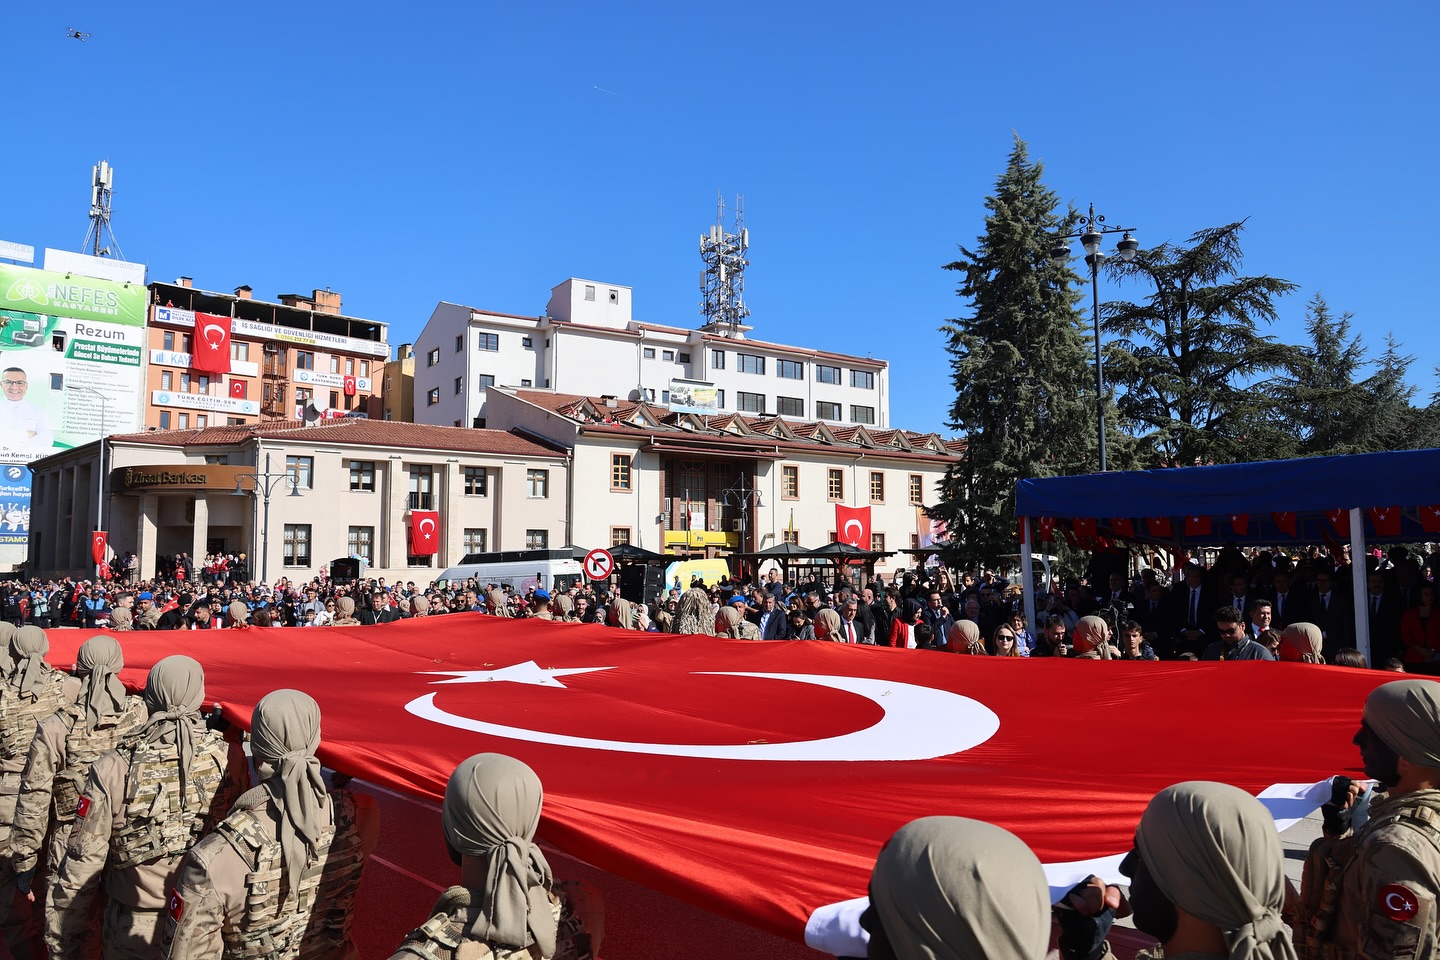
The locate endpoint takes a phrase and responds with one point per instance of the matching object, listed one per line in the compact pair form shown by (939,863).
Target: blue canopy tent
(1241,502)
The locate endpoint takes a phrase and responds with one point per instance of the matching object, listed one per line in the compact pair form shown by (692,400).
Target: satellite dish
(314,412)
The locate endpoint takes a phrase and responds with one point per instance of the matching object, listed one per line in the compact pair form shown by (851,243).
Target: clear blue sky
(481,153)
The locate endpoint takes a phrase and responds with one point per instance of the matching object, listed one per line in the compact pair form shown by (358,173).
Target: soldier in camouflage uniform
(145,804)
(1372,894)
(278,879)
(508,906)
(66,743)
(32,691)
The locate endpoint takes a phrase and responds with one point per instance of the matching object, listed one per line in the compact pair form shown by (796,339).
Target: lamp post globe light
(265,484)
(1091,237)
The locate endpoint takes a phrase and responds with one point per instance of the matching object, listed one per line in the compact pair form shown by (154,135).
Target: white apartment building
(588,343)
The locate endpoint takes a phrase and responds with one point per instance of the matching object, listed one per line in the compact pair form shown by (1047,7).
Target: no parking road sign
(599,564)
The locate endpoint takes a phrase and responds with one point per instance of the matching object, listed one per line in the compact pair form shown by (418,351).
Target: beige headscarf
(419,607)
(1405,715)
(174,691)
(102,694)
(1093,634)
(964,637)
(239,613)
(122,619)
(948,888)
(563,605)
(830,620)
(497,602)
(7,634)
(732,618)
(284,735)
(491,811)
(622,614)
(28,649)
(1213,851)
(346,606)
(1301,643)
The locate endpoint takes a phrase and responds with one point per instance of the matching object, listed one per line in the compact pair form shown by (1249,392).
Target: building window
(166,379)
(365,368)
(827,411)
(203,382)
(476,540)
(184,383)
(201,421)
(349,366)
(717,359)
(720,399)
(790,369)
(458,385)
(529,344)
(917,490)
(862,379)
(459,343)
(790,536)
(184,421)
(619,536)
(527,383)
(589,292)
(790,406)
(360,541)
(477,483)
(334,364)
(169,340)
(877,542)
(302,469)
(239,351)
(649,353)
(537,539)
(164,419)
(750,363)
(835,484)
(750,402)
(877,486)
(185,343)
(620,472)
(433,358)
(234,421)
(537,484)
(297,545)
(824,374)
(413,561)
(433,397)
(455,424)
(668,356)
(362,475)
(790,483)
(489,342)
(219,459)
(860,414)
(304,360)
(487,380)
(914,541)
(422,486)
(334,398)
(683,357)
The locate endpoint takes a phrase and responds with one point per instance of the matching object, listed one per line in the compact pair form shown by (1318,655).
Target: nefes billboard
(71,295)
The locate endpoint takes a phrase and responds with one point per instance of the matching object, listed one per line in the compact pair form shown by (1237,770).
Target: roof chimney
(185,282)
(297,301)
(327,301)
(243,292)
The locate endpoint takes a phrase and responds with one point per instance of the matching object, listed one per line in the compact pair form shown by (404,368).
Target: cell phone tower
(722,282)
(102,188)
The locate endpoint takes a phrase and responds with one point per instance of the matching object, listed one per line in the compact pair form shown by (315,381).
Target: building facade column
(450,501)
(147,534)
(200,532)
(392,520)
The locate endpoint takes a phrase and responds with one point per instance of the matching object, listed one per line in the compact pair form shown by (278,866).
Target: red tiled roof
(357,432)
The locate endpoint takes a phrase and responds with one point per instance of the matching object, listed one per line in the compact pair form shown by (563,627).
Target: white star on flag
(527,672)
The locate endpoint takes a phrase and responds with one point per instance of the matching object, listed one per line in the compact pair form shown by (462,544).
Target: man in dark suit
(879,613)
(1332,611)
(1193,610)
(1153,615)
(1384,610)
(1288,602)
(771,619)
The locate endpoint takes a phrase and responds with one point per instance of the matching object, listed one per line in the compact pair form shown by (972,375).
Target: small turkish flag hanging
(1159,526)
(350,386)
(1197,526)
(1047,528)
(1386,521)
(1430,518)
(1123,527)
(1085,528)
(424,532)
(1240,523)
(1340,520)
(237,389)
(1285,522)
(210,351)
(97,546)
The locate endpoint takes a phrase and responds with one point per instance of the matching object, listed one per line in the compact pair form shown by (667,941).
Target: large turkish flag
(852,525)
(424,532)
(210,347)
(759,780)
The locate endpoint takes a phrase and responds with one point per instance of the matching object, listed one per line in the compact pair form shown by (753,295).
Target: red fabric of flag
(97,546)
(1385,520)
(1047,528)
(237,389)
(727,757)
(1197,526)
(1084,528)
(1340,520)
(1285,522)
(852,526)
(424,532)
(1123,527)
(350,386)
(1240,523)
(1159,526)
(210,350)
(1430,518)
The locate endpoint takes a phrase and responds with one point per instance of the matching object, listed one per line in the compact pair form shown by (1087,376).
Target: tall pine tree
(1195,372)
(1018,364)
(1325,405)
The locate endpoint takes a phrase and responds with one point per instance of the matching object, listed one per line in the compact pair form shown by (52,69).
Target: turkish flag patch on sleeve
(1398,903)
(177,905)
(82,806)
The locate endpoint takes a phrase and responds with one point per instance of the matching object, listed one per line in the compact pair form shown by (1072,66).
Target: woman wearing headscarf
(277,879)
(730,622)
(964,637)
(827,624)
(1301,643)
(507,900)
(563,607)
(693,613)
(622,614)
(1092,640)
(948,888)
(121,620)
(66,743)
(144,805)
(344,613)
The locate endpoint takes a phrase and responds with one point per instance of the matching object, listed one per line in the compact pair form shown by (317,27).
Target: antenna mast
(102,188)
(722,282)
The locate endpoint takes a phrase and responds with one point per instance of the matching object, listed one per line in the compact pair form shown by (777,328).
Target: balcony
(420,501)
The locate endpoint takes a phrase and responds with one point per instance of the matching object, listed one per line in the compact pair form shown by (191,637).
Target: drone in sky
(74,34)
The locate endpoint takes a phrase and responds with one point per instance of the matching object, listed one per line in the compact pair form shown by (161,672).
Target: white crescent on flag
(853,538)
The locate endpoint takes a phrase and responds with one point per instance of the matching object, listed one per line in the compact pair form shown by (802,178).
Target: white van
(521,570)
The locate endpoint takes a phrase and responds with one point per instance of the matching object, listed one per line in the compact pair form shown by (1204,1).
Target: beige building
(355,482)
(397,391)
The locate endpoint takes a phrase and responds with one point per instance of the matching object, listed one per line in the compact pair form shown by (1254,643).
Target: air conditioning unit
(737,525)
